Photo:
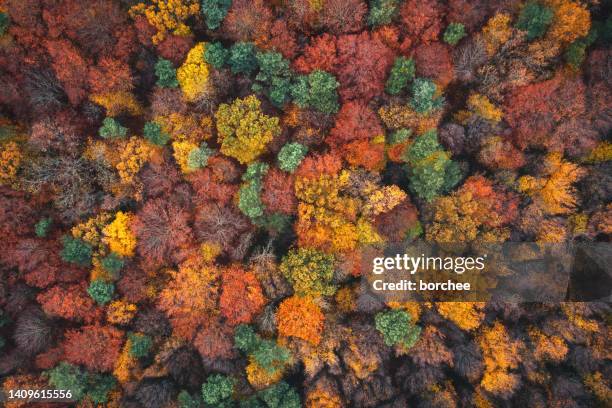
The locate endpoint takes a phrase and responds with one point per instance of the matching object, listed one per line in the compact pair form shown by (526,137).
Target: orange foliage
(68,302)
(500,355)
(478,210)
(190,298)
(241,296)
(553,192)
(96,347)
(319,54)
(466,315)
(300,317)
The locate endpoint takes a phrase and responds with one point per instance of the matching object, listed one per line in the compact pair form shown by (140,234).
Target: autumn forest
(188,189)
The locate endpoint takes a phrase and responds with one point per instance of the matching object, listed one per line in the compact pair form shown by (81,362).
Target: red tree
(69,302)
(110,75)
(343,16)
(355,121)
(281,40)
(241,296)
(396,223)
(319,54)
(434,61)
(278,193)
(248,20)
(162,230)
(215,341)
(422,19)
(362,66)
(535,110)
(314,166)
(175,48)
(96,347)
(470,13)
(70,68)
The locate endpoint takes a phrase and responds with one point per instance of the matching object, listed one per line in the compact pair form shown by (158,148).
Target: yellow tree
(190,298)
(193,74)
(300,317)
(10,159)
(167,16)
(244,130)
(571,21)
(553,192)
(118,235)
(501,354)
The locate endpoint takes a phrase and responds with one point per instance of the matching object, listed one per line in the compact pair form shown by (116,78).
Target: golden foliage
(193,74)
(91,231)
(501,354)
(261,378)
(118,103)
(10,159)
(599,386)
(321,398)
(549,348)
(300,317)
(324,215)
(471,213)
(190,298)
(168,16)
(125,364)
(383,200)
(553,192)
(120,312)
(466,315)
(181,154)
(186,127)
(118,235)
(497,31)
(482,106)
(209,251)
(601,153)
(244,130)
(571,20)
(134,154)
(403,116)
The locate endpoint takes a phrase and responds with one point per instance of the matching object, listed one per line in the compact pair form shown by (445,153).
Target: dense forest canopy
(187,189)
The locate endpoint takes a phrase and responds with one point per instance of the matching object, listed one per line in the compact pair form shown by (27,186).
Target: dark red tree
(362,66)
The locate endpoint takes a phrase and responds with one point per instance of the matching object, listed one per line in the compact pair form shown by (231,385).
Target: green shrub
(216,389)
(76,251)
(214,12)
(290,156)
(423,96)
(112,129)
(382,12)
(198,158)
(534,19)
(454,33)
(396,328)
(242,58)
(216,55)
(68,377)
(42,227)
(166,74)
(153,133)
(401,74)
(112,263)
(140,345)
(101,291)
(5,21)
(274,77)
(317,90)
